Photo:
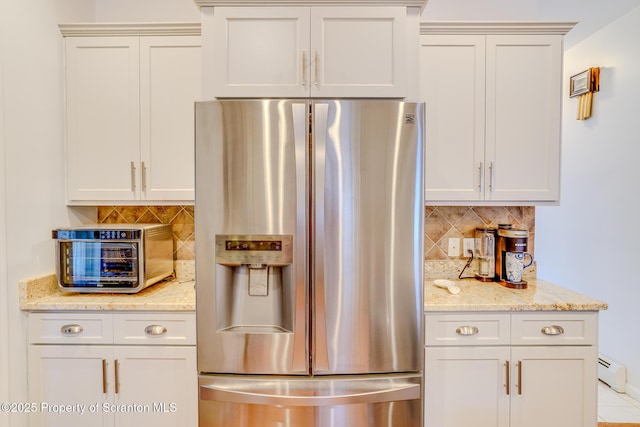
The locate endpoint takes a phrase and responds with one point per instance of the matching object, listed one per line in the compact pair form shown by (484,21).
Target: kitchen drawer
(554,328)
(467,329)
(155,328)
(70,328)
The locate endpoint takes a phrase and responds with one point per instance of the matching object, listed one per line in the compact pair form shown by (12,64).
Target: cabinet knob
(552,330)
(71,329)
(155,330)
(467,330)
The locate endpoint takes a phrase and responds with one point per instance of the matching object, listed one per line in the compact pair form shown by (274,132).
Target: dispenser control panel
(234,250)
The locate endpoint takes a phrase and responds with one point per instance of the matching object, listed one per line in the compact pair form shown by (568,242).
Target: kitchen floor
(616,407)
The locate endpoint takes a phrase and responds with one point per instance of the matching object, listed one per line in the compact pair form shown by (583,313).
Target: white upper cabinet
(103,127)
(308,51)
(260,51)
(130,112)
(170,83)
(523,116)
(493,113)
(452,86)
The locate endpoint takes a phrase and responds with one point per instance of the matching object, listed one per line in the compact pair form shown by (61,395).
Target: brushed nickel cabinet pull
(508,381)
(115,369)
(304,68)
(467,330)
(552,330)
(492,177)
(104,376)
(519,376)
(133,176)
(71,329)
(155,330)
(481,183)
(315,67)
(144,177)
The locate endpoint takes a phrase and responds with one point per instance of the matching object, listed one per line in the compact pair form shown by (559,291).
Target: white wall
(590,242)
(591,15)
(32,200)
(4,318)
(146,10)
(486,10)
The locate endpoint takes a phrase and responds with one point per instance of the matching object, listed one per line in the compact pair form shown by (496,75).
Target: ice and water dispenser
(254,280)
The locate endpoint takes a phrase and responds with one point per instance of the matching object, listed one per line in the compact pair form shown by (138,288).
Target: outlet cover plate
(468,244)
(454,247)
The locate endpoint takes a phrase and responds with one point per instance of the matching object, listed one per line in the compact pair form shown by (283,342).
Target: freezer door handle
(394,394)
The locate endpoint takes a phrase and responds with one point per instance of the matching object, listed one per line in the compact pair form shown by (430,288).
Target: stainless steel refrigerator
(309,262)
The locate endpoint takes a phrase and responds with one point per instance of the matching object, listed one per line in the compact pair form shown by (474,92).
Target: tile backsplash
(180,218)
(441,223)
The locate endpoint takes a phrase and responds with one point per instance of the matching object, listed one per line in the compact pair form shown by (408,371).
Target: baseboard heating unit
(612,373)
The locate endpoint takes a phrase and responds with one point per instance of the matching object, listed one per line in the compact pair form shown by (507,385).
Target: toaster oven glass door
(99,263)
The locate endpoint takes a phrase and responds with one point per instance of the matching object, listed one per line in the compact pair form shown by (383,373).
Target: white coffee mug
(515,265)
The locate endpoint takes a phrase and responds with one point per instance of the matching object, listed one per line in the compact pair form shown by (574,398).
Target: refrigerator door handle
(319,347)
(394,394)
(300,113)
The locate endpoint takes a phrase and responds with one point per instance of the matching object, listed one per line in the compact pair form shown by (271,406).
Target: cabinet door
(170,83)
(466,387)
(70,384)
(554,386)
(161,381)
(358,52)
(524,78)
(102,96)
(261,52)
(452,79)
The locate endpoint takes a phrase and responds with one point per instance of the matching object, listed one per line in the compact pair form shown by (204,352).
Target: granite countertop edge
(42,294)
(539,295)
(178,294)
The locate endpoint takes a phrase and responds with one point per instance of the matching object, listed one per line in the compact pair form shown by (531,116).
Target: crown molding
(478,27)
(255,3)
(98,29)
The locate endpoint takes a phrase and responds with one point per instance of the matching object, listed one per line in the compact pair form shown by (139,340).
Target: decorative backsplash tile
(180,218)
(443,222)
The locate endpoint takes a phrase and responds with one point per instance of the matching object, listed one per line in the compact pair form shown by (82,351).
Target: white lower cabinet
(84,371)
(478,373)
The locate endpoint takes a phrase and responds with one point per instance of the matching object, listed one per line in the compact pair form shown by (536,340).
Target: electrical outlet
(454,247)
(467,245)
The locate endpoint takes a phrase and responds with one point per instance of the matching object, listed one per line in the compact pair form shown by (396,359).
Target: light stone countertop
(42,294)
(474,295)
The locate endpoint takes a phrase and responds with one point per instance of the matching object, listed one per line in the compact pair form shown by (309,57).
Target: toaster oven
(121,258)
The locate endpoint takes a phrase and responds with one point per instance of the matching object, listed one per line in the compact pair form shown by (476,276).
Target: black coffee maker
(511,241)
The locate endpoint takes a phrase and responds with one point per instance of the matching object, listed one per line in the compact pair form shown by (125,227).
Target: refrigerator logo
(409,119)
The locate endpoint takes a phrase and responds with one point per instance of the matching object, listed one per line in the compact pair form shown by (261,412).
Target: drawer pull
(552,330)
(519,376)
(155,330)
(508,377)
(467,330)
(71,329)
(116,366)
(104,376)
